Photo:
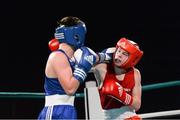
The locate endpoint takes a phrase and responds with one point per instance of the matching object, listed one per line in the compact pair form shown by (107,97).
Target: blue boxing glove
(84,58)
(106,55)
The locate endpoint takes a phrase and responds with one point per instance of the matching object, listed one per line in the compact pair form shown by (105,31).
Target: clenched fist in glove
(53,44)
(106,55)
(114,89)
(84,58)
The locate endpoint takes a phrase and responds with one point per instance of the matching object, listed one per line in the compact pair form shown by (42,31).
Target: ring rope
(81,95)
(160,114)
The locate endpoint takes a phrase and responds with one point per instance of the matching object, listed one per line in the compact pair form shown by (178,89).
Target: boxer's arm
(137,91)
(99,72)
(100,68)
(63,71)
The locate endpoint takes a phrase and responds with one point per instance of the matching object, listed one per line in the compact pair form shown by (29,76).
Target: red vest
(127,83)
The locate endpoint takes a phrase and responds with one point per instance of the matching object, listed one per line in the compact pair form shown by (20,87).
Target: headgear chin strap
(132,48)
(72,35)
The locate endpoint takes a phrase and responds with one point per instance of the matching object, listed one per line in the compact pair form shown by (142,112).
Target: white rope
(160,114)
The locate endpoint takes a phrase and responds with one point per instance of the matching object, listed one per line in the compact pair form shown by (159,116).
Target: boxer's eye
(126,53)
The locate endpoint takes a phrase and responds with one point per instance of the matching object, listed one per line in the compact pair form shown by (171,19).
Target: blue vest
(52,85)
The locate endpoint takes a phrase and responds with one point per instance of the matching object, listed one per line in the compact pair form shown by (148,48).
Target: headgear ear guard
(132,48)
(72,35)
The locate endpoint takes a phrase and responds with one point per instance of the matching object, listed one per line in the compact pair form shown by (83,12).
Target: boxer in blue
(62,75)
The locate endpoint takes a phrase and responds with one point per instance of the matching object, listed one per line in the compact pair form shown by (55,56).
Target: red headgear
(132,48)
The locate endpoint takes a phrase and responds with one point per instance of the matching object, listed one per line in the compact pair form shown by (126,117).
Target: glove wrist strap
(80,75)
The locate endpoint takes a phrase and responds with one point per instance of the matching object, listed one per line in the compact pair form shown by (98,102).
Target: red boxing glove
(115,90)
(54,44)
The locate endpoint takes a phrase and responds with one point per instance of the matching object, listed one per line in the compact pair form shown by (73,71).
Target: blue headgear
(72,35)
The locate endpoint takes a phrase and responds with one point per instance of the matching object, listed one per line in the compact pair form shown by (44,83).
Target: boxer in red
(120,82)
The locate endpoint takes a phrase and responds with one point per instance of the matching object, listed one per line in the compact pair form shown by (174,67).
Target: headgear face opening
(72,35)
(132,48)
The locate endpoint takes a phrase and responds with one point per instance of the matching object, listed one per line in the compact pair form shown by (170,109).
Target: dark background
(27,27)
